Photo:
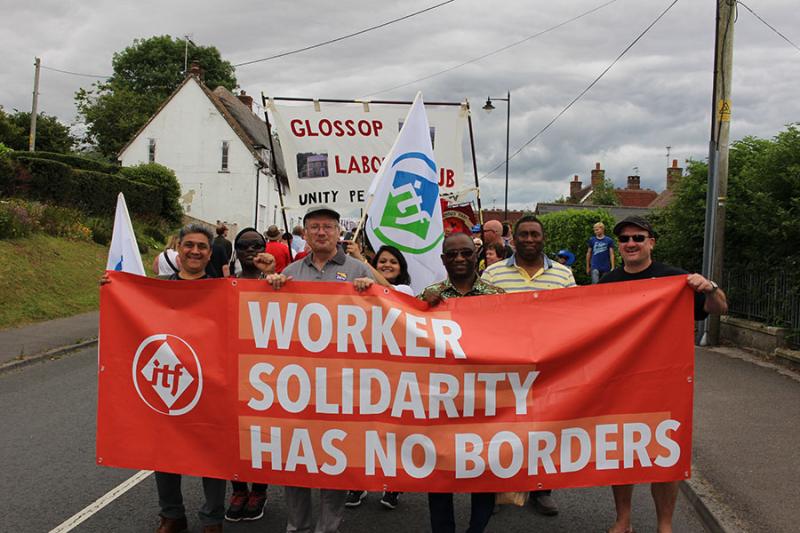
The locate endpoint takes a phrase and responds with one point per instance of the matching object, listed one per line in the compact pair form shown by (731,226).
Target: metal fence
(769,297)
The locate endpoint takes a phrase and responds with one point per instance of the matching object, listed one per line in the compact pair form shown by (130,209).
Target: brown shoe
(216,528)
(172,525)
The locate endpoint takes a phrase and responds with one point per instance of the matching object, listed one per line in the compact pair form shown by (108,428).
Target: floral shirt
(446,290)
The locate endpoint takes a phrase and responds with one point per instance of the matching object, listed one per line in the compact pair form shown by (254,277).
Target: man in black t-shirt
(636,242)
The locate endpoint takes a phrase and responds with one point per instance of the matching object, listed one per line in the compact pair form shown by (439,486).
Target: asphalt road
(48,474)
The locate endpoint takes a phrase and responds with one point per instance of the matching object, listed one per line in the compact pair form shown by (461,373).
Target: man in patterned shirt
(460,260)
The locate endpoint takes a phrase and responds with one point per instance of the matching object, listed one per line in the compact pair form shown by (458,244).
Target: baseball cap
(321,210)
(634,220)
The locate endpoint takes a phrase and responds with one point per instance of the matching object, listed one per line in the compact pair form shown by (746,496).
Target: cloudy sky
(658,95)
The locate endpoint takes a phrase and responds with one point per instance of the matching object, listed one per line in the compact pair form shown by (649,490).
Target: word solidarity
(317,385)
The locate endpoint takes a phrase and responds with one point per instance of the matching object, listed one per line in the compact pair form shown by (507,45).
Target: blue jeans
(441,508)
(596,275)
(170,498)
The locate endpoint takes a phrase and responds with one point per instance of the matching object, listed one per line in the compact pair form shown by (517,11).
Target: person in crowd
(248,504)
(460,258)
(565,257)
(507,234)
(221,252)
(494,253)
(529,269)
(599,253)
(298,240)
(167,262)
(390,265)
(636,243)
(194,251)
(492,232)
(327,262)
(278,250)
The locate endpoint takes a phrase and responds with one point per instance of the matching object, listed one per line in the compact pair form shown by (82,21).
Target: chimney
(598,175)
(633,183)
(196,71)
(674,173)
(575,187)
(246,100)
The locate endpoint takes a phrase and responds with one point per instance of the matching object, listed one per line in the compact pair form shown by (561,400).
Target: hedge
(74,161)
(570,230)
(165,180)
(92,192)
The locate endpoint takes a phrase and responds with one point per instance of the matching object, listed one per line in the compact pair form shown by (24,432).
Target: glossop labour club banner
(333,151)
(316,385)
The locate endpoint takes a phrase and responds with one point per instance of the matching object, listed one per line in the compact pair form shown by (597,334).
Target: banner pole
(274,163)
(475,168)
(363,217)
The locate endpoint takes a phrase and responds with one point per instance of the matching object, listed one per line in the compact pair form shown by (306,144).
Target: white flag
(404,210)
(124,252)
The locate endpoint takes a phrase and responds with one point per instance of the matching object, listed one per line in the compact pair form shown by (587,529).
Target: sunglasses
(249,245)
(465,253)
(635,238)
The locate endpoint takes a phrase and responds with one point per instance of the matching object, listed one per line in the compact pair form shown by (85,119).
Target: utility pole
(35,107)
(716,196)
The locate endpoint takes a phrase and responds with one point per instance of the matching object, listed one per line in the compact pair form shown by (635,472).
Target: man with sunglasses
(636,242)
(460,259)
(529,269)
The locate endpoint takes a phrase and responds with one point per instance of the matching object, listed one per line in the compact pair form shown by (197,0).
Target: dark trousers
(442,516)
(170,498)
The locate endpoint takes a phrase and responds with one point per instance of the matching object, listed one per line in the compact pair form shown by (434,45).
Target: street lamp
(489,108)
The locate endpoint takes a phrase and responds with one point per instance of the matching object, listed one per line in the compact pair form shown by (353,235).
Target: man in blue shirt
(600,253)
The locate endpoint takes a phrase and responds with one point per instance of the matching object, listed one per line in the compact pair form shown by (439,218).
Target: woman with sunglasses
(249,246)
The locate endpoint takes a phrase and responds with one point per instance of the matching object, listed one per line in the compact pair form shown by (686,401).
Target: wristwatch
(714,287)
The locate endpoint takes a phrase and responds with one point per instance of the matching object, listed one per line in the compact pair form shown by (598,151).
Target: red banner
(316,385)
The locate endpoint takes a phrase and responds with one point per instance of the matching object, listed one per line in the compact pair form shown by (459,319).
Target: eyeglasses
(249,245)
(636,238)
(327,228)
(466,253)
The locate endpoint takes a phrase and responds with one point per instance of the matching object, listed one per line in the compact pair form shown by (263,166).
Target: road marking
(86,513)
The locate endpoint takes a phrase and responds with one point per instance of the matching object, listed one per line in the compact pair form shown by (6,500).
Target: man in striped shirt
(529,269)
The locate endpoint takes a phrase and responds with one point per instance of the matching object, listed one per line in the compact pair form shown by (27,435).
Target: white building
(220,152)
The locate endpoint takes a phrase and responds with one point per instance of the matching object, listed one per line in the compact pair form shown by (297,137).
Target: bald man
(492,232)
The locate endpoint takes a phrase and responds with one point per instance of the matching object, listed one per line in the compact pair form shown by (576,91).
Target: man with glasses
(529,269)
(459,258)
(326,262)
(636,242)
(492,232)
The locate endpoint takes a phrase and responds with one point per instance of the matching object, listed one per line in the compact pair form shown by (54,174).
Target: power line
(75,73)
(343,37)
(586,90)
(768,25)
(497,51)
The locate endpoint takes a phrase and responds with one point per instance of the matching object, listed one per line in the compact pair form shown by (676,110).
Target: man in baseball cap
(637,239)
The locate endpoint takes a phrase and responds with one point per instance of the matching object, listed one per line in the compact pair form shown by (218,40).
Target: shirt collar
(546,264)
(449,285)
(339,258)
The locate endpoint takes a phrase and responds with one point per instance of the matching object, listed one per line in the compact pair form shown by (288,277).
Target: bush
(165,180)
(63,222)
(48,180)
(570,230)
(102,228)
(75,161)
(15,220)
(7,174)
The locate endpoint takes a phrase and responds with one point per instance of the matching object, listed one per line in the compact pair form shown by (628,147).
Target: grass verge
(43,277)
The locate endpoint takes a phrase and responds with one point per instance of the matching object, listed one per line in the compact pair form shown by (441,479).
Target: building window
(151,151)
(225,146)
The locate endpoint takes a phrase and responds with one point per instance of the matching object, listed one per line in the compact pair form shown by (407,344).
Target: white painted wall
(189,132)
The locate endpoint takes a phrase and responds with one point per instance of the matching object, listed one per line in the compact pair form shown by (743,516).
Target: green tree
(145,74)
(604,194)
(51,134)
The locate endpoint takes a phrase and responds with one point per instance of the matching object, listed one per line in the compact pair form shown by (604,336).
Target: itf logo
(410,205)
(167,374)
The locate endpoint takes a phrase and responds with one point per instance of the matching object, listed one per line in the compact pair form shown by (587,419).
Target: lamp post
(489,108)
